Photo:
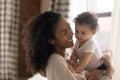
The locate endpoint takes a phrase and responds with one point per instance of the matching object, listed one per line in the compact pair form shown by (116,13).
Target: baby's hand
(71,68)
(71,62)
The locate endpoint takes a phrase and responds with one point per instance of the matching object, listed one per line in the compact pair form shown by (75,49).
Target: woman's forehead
(62,25)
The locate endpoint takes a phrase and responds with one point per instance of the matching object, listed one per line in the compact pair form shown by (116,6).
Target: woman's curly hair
(36,34)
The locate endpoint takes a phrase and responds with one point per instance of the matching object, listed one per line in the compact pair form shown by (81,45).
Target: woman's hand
(108,63)
(93,75)
(107,60)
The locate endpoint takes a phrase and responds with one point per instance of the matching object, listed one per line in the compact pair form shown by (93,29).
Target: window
(103,9)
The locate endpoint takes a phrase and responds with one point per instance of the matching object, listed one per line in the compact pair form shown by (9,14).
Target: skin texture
(63,37)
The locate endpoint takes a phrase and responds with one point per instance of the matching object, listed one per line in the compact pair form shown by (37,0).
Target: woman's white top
(57,69)
(90,46)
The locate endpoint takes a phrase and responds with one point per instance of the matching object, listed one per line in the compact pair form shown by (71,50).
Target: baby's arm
(73,58)
(84,62)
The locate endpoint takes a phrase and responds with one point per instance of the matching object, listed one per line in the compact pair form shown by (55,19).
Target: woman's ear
(51,41)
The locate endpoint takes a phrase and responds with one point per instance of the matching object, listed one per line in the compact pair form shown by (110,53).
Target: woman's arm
(108,63)
(109,72)
(93,75)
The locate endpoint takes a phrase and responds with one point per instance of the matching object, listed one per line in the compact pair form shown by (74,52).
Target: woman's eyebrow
(64,30)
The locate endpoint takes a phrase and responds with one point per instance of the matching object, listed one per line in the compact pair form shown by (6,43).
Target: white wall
(115,38)
(45,5)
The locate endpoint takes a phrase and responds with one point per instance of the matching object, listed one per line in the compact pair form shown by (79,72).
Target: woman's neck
(60,51)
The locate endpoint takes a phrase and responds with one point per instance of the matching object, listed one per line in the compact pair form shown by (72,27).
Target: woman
(45,40)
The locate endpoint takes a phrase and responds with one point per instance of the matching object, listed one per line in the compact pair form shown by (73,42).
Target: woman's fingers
(94,74)
(107,60)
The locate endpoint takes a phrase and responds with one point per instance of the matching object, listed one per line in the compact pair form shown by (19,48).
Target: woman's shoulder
(56,61)
(55,58)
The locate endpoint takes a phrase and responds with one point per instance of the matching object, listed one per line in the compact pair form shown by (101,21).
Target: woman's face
(63,34)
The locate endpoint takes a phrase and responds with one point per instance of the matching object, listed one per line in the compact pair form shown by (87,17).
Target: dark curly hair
(87,18)
(36,35)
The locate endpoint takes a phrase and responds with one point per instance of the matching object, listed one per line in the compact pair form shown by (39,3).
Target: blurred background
(14,14)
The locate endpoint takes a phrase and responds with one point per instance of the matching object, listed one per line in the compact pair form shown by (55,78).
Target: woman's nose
(71,31)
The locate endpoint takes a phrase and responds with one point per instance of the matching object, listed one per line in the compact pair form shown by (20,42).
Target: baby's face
(83,32)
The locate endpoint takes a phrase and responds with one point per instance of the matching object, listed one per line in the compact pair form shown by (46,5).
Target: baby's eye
(83,33)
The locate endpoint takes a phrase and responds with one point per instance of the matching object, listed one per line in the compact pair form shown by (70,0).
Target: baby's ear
(51,41)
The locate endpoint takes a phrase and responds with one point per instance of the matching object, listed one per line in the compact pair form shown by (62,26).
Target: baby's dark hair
(87,18)
(36,36)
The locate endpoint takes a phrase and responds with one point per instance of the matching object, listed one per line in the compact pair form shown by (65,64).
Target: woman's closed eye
(65,32)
